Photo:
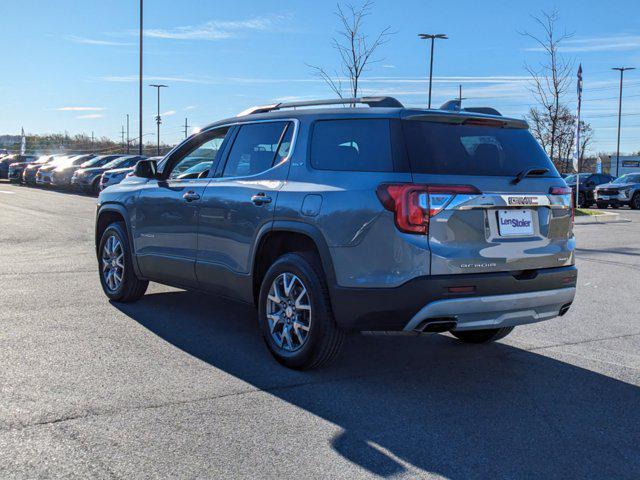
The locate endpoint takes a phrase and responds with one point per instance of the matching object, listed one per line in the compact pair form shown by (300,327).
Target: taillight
(566,191)
(414,204)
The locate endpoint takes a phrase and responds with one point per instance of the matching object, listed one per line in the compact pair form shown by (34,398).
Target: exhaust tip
(436,325)
(564,309)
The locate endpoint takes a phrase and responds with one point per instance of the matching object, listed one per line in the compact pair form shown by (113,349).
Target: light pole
(140,86)
(432,37)
(621,70)
(158,119)
(128,140)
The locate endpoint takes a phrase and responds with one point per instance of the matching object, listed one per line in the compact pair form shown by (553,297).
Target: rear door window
(257,147)
(454,149)
(352,144)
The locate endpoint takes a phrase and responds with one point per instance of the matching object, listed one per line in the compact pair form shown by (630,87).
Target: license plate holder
(515,222)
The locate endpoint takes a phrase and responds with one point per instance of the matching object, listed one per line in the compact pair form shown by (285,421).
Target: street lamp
(158,120)
(432,37)
(621,70)
(140,86)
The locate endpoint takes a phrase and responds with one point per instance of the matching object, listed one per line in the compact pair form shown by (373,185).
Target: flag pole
(577,151)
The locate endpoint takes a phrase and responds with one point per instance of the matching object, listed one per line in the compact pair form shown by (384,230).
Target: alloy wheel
(113,263)
(289,312)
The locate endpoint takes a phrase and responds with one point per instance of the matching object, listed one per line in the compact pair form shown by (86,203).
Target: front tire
(602,205)
(635,201)
(294,313)
(482,336)
(115,264)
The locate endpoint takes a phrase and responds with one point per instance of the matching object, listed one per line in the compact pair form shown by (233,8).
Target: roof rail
(388,102)
(455,106)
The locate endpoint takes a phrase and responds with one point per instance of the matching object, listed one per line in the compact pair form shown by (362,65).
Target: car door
(167,212)
(239,202)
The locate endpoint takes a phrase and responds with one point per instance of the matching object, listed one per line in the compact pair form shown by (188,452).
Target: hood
(19,164)
(94,170)
(48,168)
(615,185)
(117,171)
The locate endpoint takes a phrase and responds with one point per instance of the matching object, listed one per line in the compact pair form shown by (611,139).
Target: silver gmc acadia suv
(334,220)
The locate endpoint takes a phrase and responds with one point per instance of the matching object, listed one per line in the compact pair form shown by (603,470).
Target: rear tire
(114,256)
(95,187)
(482,336)
(635,201)
(294,313)
(602,205)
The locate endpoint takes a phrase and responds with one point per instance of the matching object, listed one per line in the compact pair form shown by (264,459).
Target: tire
(635,201)
(95,187)
(602,205)
(582,201)
(130,288)
(482,336)
(323,338)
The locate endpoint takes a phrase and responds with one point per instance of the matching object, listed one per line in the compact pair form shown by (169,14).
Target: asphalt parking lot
(179,385)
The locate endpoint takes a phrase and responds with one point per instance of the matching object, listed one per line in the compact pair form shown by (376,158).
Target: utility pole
(432,37)
(186,126)
(621,70)
(92,142)
(140,86)
(460,96)
(122,132)
(158,119)
(128,140)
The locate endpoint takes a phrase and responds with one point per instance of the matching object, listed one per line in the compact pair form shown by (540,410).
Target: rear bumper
(496,301)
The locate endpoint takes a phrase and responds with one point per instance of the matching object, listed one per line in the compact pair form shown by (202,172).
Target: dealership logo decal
(515,222)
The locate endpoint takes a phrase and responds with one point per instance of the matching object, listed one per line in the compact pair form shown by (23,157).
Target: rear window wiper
(529,171)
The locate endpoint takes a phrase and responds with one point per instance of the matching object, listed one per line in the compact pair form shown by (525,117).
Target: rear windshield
(443,148)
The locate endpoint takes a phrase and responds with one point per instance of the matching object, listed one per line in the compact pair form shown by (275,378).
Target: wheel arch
(284,237)
(114,212)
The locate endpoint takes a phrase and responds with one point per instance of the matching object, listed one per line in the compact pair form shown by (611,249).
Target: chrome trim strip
(506,200)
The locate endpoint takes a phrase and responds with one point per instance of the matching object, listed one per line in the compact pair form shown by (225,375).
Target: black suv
(588,184)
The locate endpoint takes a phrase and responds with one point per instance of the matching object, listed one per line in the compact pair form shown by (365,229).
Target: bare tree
(550,81)
(355,48)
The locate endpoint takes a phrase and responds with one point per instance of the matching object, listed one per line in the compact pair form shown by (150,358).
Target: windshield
(628,178)
(572,178)
(455,149)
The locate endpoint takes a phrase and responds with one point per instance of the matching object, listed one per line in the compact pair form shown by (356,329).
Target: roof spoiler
(386,102)
(456,106)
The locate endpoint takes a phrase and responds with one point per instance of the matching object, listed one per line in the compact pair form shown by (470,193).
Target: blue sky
(71,65)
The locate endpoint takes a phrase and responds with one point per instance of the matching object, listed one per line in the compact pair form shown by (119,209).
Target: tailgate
(501,231)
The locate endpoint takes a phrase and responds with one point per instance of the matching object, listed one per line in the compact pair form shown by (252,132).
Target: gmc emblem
(522,201)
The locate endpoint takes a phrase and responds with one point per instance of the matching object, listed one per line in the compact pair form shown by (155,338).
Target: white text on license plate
(515,222)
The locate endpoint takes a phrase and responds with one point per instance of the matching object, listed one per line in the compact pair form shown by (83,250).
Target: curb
(600,219)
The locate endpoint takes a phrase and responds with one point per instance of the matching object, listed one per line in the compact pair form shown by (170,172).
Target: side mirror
(146,169)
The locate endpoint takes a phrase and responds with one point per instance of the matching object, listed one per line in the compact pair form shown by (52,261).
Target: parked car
(624,190)
(16,165)
(86,179)
(7,160)
(29,171)
(61,175)
(117,175)
(43,174)
(351,219)
(588,183)
(94,173)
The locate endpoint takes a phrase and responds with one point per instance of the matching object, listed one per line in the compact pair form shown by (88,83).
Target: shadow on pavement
(460,411)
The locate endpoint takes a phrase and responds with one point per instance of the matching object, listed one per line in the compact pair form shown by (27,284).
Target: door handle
(191,196)
(260,199)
